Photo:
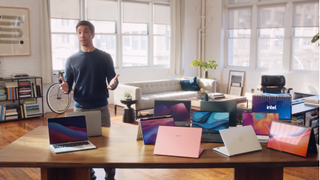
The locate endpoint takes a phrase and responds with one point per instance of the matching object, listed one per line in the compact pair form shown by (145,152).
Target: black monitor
(222,106)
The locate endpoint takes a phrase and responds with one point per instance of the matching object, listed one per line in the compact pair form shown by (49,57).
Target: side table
(128,115)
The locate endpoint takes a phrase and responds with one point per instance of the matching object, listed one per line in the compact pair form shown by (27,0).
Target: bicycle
(58,101)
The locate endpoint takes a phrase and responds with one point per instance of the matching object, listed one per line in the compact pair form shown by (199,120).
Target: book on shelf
(21,111)
(12,112)
(12,93)
(14,117)
(38,90)
(3,93)
(11,84)
(2,112)
(25,90)
(29,101)
(31,110)
(24,83)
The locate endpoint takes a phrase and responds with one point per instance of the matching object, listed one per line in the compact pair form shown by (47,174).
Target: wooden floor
(10,131)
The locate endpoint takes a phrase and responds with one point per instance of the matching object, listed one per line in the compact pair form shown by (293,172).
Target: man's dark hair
(86,23)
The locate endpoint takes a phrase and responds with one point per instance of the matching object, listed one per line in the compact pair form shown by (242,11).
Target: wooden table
(195,103)
(119,148)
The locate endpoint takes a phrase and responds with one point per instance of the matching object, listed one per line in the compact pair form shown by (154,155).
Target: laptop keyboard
(70,145)
(211,138)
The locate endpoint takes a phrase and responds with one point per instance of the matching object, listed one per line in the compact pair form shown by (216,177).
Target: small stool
(128,116)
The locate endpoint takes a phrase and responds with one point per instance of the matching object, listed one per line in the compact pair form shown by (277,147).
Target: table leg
(258,173)
(65,173)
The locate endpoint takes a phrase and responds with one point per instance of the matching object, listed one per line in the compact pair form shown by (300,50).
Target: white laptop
(238,140)
(93,120)
(68,134)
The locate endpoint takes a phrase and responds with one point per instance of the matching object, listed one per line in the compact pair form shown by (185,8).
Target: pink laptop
(178,141)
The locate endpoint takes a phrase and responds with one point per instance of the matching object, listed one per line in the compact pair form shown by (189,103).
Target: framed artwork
(14,31)
(235,90)
(236,80)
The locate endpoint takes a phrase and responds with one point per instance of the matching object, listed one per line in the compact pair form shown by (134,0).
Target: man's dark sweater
(89,71)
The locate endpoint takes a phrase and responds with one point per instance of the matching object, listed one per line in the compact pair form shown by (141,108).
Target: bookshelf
(306,116)
(21,98)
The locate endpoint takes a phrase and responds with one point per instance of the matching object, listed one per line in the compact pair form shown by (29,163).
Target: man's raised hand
(64,86)
(113,82)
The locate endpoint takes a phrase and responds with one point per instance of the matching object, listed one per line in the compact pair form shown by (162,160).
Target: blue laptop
(211,123)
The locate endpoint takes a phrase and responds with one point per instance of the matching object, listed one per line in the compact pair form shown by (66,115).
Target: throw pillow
(190,85)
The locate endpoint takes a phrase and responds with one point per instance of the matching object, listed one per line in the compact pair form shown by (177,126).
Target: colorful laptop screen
(179,109)
(67,129)
(273,103)
(210,122)
(149,127)
(260,122)
(289,138)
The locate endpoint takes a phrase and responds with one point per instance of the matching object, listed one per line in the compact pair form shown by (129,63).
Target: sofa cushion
(190,85)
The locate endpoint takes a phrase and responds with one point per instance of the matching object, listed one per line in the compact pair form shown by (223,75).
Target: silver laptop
(68,134)
(93,120)
(238,140)
(211,123)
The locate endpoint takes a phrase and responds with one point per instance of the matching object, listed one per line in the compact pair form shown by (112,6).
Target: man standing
(89,69)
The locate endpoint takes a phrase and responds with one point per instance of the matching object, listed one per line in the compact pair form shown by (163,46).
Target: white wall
(214,38)
(191,25)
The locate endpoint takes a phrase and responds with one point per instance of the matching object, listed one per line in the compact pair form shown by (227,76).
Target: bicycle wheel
(57,101)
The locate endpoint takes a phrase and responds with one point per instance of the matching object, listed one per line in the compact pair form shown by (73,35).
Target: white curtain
(45,41)
(176,34)
(239,18)
(271,16)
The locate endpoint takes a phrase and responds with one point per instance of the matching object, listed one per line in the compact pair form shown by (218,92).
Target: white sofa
(145,92)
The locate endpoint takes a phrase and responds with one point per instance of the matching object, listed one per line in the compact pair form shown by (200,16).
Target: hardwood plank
(10,131)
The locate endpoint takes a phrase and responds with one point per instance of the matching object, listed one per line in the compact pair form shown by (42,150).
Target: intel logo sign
(272,107)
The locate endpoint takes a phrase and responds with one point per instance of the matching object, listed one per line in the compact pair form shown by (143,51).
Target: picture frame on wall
(236,81)
(14,32)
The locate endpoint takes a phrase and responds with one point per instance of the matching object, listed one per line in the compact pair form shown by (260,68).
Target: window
(305,23)
(273,35)
(161,34)
(103,15)
(140,36)
(135,27)
(63,34)
(239,33)
(271,23)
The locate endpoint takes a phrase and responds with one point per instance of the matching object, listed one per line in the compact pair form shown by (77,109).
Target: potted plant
(201,93)
(127,95)
(199,63)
